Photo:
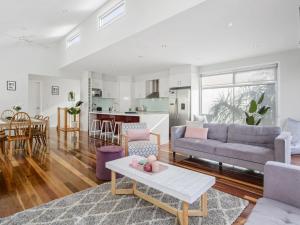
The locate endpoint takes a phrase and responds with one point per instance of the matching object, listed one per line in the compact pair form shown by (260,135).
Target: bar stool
(106,129)
(96,129)
(117,132)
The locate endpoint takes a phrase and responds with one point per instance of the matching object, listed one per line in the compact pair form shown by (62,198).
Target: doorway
(34,97)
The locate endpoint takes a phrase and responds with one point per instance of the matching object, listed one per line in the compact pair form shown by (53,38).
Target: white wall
(289,78)
(84,96)
(50,102)
(15,65)
(140,15)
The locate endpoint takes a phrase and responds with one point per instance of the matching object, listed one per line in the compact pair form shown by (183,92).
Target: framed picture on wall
(11,85)
(55,90)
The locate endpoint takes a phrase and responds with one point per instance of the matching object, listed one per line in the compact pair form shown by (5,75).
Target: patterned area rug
(98,206)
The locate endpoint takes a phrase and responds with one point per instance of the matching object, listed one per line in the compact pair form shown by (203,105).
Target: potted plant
(256,111)
(17,108)
(74,111)
(71,96)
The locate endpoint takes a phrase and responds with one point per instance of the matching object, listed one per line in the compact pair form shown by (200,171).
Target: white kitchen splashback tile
(155,104)
(105,103)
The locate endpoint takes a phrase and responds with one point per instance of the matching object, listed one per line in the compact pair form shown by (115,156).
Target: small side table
(105,154)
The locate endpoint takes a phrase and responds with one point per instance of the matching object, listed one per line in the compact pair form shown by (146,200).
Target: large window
(112,14)
(225,97)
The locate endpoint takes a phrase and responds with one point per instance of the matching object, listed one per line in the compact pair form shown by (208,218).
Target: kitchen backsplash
(105,103)
(155,104)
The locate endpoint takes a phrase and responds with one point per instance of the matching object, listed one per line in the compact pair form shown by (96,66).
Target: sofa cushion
(293,126)
(217,131)
(250,153)
(196,132)
(295,149)
(270,212)
(253,135)
(201,145)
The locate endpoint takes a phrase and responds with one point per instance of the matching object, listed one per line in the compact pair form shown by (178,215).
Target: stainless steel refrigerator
(179,106)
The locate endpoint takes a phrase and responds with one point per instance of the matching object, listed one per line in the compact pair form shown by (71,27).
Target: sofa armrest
(177,132)
(282,147)
(282,183)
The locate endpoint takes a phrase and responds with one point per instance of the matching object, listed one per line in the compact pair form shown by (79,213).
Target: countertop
(129,114)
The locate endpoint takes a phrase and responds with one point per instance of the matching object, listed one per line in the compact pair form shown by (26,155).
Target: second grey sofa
(281,201)
(241,145)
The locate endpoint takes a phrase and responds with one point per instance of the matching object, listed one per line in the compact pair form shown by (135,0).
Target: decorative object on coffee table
(105,154)
(185,185)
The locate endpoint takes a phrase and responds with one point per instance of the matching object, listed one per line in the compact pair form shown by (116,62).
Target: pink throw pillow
(138,134)
(196,132)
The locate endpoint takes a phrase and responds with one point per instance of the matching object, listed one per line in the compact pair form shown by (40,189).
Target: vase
(74,124)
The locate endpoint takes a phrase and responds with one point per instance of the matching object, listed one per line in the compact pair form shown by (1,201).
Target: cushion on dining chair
(142,148)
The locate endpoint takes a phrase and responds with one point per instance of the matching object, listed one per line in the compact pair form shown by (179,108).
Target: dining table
(5,124)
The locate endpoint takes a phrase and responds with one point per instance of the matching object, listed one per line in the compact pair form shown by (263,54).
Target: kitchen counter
(157,122)
(128,114)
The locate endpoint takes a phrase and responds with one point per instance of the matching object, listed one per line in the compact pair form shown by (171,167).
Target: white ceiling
(214,31)
(41,22)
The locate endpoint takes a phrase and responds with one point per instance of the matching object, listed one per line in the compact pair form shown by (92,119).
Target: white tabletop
(183,184)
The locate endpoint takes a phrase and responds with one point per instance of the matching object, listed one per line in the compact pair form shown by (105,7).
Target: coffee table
(185,185)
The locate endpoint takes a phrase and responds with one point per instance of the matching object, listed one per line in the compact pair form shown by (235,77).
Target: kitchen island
(157,122)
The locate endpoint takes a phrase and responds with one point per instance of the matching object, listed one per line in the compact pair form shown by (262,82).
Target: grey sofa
(281,201)
(240,145)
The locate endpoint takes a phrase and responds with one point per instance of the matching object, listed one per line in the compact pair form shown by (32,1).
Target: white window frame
(70,39)
(274,82)
(113,8)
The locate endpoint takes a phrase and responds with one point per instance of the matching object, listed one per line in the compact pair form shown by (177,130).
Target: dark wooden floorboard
(68,166)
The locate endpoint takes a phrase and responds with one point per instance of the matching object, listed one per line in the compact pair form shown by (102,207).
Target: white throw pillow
(194,123)
(293,126)
(201,118)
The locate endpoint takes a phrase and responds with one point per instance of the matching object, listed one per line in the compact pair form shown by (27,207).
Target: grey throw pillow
(293,126)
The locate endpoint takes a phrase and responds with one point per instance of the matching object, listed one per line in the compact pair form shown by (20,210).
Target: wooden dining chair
(7,114)
(19,131)
(2,141)
(39,132)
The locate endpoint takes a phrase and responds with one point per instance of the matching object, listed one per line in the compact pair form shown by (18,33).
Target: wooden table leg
(185,213)
(113,182)
(204,205)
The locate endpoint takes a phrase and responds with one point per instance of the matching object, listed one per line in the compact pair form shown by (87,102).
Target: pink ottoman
(105,154)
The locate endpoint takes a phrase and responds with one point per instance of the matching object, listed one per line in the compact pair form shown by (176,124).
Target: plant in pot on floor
(74,111)
(256,111)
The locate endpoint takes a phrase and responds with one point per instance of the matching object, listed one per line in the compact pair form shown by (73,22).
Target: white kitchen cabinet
(180,80)
(180,76)
(140,89)
(110,89)
(97,83)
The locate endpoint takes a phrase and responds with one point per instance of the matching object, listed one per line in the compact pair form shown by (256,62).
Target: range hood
(152,89)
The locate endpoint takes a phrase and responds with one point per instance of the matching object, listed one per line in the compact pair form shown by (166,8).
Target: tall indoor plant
(256,111)
(74,111)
